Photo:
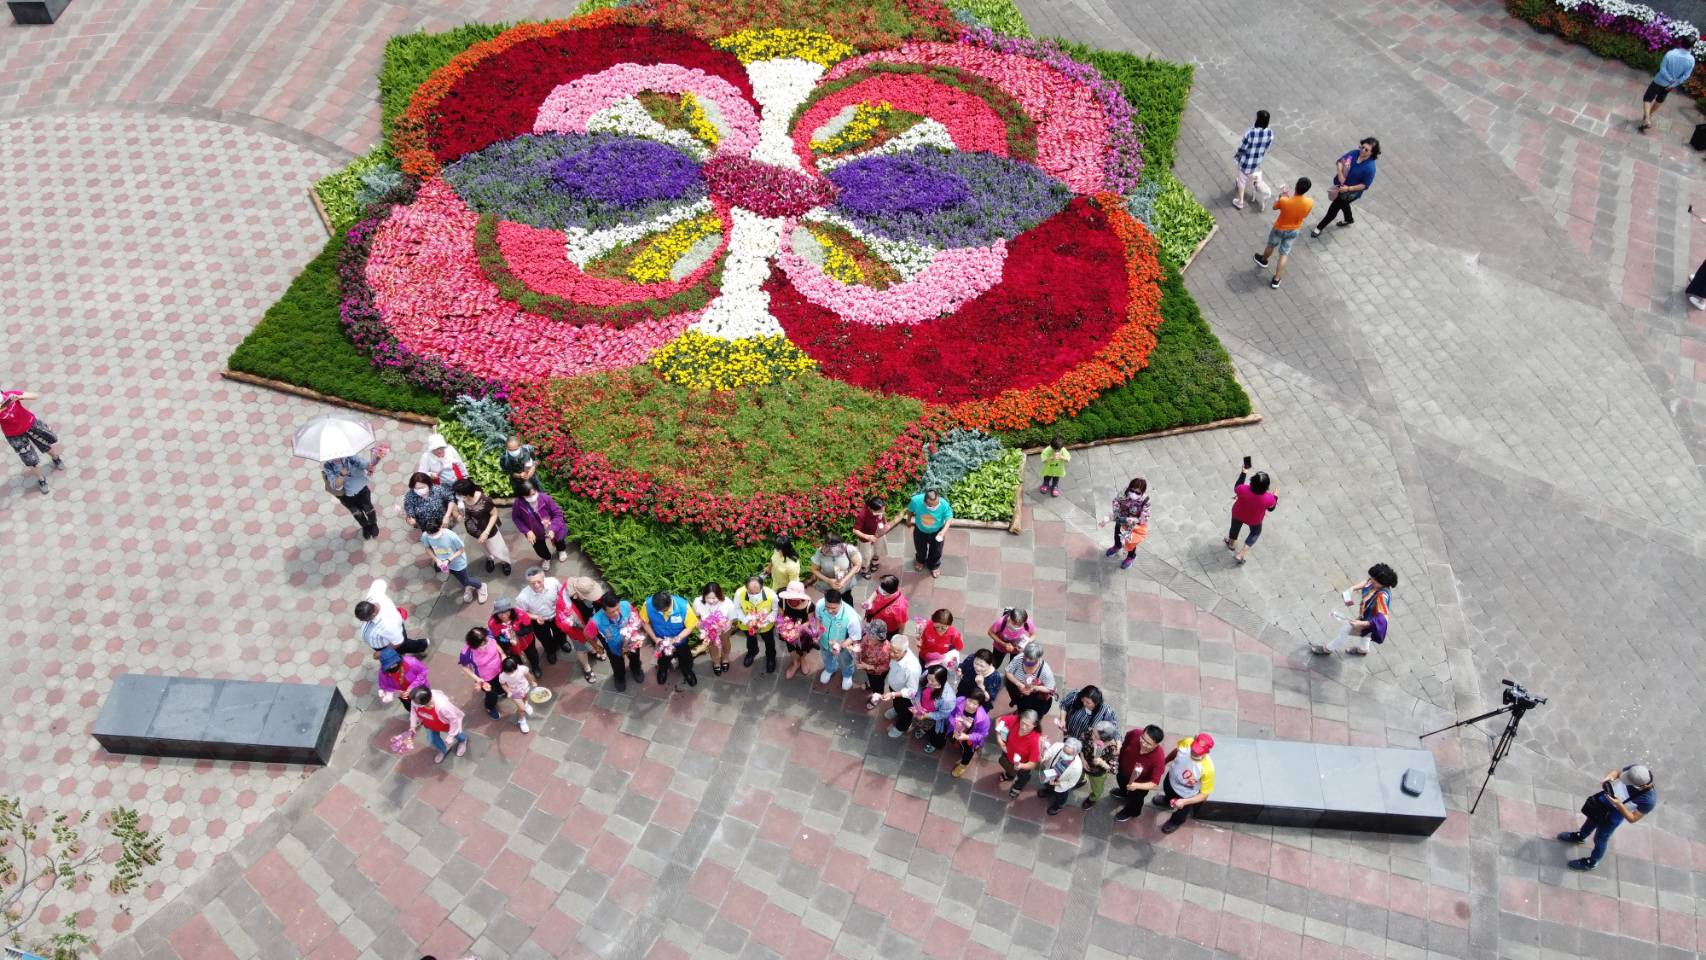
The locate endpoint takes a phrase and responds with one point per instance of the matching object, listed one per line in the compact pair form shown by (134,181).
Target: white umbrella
(328,438)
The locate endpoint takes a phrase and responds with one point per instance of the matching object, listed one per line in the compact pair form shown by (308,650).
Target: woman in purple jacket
(967,726)
(539,517)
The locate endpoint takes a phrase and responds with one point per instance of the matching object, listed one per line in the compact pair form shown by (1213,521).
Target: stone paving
(1488,383)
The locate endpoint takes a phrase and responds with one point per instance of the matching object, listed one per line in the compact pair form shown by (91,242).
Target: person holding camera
(1625,796)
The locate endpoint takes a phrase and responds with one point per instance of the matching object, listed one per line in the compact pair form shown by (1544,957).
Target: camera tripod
(1516,707)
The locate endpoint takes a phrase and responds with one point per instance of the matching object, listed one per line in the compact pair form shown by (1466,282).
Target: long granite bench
(1284,783)
(220,719)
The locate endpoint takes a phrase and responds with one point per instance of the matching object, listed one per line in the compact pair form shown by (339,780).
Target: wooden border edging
(326,219)
(306,393)
(1193,257)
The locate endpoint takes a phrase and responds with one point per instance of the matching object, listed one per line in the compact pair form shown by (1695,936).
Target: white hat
(1638,776)
(435,441)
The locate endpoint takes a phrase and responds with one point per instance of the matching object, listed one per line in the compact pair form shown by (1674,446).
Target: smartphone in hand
(1246,463)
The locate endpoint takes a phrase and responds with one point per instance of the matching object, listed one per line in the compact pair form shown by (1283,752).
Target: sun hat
(503,605)
(390,659)
(1201,744)
(795,591)
(435,441)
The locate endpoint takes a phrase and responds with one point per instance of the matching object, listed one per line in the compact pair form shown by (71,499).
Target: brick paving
(1488,384)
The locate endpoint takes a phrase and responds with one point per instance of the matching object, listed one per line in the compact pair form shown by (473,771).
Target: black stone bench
(220,719)
(1284,783)
(36,11)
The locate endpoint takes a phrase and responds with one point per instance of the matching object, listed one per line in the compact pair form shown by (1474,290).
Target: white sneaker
(823,677)
(846,684)
(467,594)
(894,734)
(522,723)
(483,595)
(545,564)
(526,708)
(563,555)
(888,714)
(1699,304)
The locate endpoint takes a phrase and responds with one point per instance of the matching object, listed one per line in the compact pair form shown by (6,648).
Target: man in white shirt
(382,623)
(539,601)
(904,674)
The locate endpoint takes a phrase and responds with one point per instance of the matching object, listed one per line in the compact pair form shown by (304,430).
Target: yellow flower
(867,117)
(654,263)
(710,363)
(770,44)
(837,262)
(698,122)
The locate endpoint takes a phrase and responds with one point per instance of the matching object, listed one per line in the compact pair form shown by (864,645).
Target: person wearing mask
(904,676)
(939,641)
(382,624)
(347,479)
(836,565)
(539,519)
(840,638)
(968,727)
(873,658)
(442,463)
(797,626)
(449,553)
(1101,758)
(1130,517)
(1029,681)
(433,710)
(888,605)
(538,599)
(1061,768)
(583,594)
(1021,749)
(517,462)
(1009,633)
(1353,176)
(784,564)
(717,615)
(398,674)
(28,434)
(868,529)
(756,609)
(1142,764)
(1625,796)
(513,631)
(666,619)
(612,621)
(577,639)
(930,515)
(427,507)
(1190,779)
(1252,501)
(480,518)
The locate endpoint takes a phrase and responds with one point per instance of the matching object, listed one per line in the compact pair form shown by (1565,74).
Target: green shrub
(998,15)
(339,192)
(1180,222)
(301,341)
(957,454)
(1157,89)
(987,492)
(1189,380)
(412,57)
(482,463)
(486,420)
(638,556)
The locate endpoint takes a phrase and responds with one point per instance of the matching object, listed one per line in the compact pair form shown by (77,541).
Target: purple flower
(627,173)
(562,180)
(946,199)
(877,186)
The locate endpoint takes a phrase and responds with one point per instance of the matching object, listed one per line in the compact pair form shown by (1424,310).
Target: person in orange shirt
(1293,209)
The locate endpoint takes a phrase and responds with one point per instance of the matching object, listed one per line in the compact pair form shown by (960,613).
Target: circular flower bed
(927,221)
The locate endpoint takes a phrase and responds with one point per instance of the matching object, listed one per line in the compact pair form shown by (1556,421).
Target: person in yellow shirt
(1293,209)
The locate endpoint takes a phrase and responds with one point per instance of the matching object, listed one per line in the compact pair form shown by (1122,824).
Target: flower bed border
(1619,41)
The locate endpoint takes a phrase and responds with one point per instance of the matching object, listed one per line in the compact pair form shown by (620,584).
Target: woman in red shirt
(26,434)
(887,605)
(938,639)
(1251,504)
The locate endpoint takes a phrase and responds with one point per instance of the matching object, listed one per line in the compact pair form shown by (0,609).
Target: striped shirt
(1254,147)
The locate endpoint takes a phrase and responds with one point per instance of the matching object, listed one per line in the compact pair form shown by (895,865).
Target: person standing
(482,660)
(1675,67)
(888,605)
(612,621)
(517,684)
(1061,768)
(1142,764)
(756,608)
(1625,796)
(1696,289)
(1030,682)
(442,463)
(798,627)
(539,601)
(27,433)
(1252,501)
(1081,710)
(1021,749)
(840,637)
(717,615)
(539,518)
(979,679)
(666,619)
(1190,779)
(873,658)
(1252,149)
(480,518)
(382,624)
(1101,758)
(433,710)
(1355,174)
(968,727)
(347,479)
(1373,598)
(1130,516)
(576,637)
(835,565)
(449,553)
(784,564)
(939,641)
(903,678)
(868,530)
(930,515)
(1009,633)
(1054,458)
(513,631)
(398,674)
(517,462)
(1293,209)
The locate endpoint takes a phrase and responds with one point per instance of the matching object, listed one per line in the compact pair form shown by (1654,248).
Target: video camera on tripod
(1518,698)
(1517,701)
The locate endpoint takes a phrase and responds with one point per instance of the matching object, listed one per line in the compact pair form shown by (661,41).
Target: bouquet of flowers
(633,638)
(403,742)
(711,629)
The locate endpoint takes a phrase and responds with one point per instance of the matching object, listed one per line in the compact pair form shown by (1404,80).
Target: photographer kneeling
(1624,795)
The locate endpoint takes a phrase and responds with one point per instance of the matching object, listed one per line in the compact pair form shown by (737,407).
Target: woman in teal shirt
(930,515)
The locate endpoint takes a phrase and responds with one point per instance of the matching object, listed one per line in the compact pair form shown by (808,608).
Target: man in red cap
(1190,779)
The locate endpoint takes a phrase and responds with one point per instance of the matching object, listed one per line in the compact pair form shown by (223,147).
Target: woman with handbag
(1354,174)
(1373,598)
(480,516)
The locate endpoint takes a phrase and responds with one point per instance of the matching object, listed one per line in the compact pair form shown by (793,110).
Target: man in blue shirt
(346,479)
(1625,796)
(1676,67)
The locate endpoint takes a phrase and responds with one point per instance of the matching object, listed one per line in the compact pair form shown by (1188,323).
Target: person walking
(1675,67)
(482,660)
(28,434)
(835,565)
(1009,634)
(398,674)
(1696,289)
(1293,209)
(1252,149)
(967,728)
(1130,516)
(449,553)
(1373,599)
(1054,458)
(442,463)
(1354,175)
(905,673)
(930,515)
(666,619)
(1101,758)
(1252,501)
(538,599)
(539,518)
(784,564)
(517,683)
(1061,769)
(517,462)
(756,608)
(426,506)
(347,479)
(1625,796)
(480,519)
(614,622)
(1021,749)
(382,624)
(513,631)
(939,641)
(1190,779)
(433,710)
(840,638)
(1029,681)
(868,529)
(1142,764)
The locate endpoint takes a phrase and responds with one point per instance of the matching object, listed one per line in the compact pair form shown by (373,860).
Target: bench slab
(1283,783)
(220,719)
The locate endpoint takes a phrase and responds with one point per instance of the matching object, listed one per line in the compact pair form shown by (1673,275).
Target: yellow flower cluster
(654,263)
(837,262)
(711,363)
(770,44)
(698,122)
(867,117)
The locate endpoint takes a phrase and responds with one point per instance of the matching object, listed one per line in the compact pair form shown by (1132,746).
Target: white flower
(909,259)
(585,245)
(780,86)
(742,308)
(628,116)
(925,133)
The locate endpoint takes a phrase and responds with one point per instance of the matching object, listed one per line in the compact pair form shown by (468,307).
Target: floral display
(712,363)
(1632,32)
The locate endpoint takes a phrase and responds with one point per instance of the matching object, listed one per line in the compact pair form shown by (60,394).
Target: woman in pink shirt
(1251,504)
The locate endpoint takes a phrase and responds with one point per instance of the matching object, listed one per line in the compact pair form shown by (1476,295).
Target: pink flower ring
(571,106)
(970,121)
(953,278)
(535,255)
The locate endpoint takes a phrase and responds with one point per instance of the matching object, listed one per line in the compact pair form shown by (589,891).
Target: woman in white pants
(1373,598)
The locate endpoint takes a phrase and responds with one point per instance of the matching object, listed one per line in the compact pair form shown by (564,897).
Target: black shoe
(1122,817)
(769,666)
(550,657)
(1160,802)
(1169,827)
(491,564)
(621,685)
(1274,283)
(1118,793)
(1261,261)
(41,485)
(1315,231)
(1347,223)
(506,568)
(1583,864)
(1570,836)
(493,713)
(1088,803)
(746,661)
(1053,811)
(693,680)
(663,676)
(58,464)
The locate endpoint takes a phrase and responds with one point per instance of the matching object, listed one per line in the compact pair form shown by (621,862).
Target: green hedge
(998,15)
(1189,380)
(412,57)
(639,556)
(301,341)
(1157,88)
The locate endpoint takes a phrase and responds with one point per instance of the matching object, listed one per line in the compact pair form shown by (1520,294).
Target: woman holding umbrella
(338,443)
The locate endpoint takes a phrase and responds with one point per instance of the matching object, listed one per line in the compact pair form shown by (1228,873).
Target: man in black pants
(382,623)
(1142,765)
